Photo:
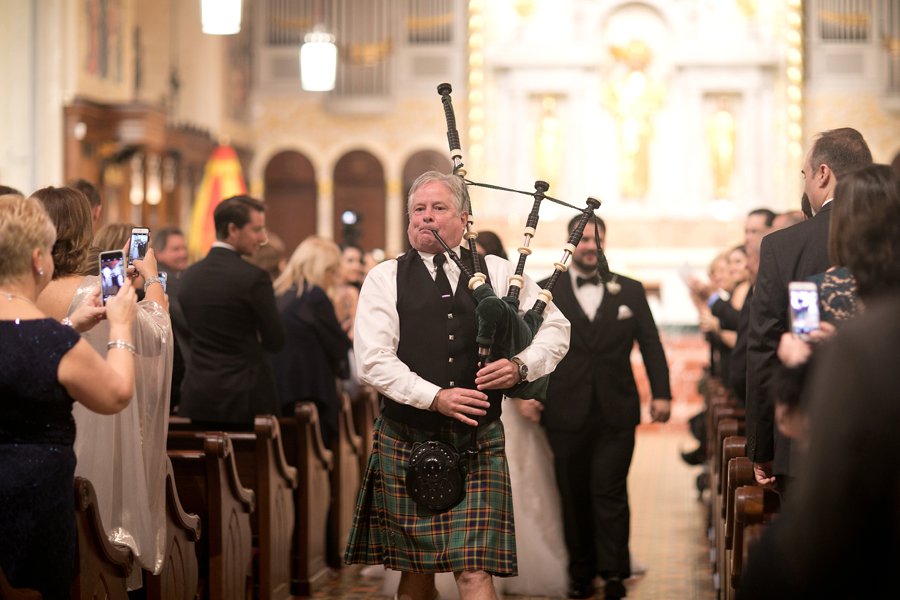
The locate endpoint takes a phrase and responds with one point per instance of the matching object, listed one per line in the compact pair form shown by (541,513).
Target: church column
(395,208)
(325,208)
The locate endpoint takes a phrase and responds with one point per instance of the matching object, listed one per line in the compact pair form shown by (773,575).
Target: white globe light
(220,17)
(318,62)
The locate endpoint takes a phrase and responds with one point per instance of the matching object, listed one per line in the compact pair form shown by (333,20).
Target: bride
(540,548)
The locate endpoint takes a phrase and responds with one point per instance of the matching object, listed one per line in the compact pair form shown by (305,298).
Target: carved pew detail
(753,506)
(179,577)
(102,569)
(305,450)
(208,485)
(345,481)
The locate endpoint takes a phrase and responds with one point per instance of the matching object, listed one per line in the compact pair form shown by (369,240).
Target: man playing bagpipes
(415,343)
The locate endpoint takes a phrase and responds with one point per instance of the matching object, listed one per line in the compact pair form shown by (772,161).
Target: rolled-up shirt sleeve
(376,338)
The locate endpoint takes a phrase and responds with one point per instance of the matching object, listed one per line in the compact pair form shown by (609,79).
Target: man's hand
(499,375)
(460,402)
(660,410)
(530,409)
(763,474)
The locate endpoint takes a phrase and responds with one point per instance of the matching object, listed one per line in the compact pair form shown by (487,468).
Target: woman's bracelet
(151,280)
(67,322)
(121,344)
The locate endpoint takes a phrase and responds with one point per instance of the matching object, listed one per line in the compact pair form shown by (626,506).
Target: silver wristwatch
(523,368)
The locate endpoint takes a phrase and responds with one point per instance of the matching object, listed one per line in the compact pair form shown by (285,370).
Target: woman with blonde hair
(45,368)
(131,489)
(316,346)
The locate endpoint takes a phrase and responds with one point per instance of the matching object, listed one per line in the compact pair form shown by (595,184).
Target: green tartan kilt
(389,528)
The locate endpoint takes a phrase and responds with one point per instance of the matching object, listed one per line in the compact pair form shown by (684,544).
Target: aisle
(667,527)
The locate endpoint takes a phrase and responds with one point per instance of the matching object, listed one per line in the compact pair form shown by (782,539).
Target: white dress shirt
(589,296)
(377,331)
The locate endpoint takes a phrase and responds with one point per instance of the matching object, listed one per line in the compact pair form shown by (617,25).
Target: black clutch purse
(436,475)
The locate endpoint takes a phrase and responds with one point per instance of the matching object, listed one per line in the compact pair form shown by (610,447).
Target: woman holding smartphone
(45,367)
(130,490)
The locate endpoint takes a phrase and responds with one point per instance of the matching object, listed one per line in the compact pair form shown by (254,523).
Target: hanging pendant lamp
(220,17)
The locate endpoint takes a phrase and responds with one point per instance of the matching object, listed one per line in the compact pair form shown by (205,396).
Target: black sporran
(436,475)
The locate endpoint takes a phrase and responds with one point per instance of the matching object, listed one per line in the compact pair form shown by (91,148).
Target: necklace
(11,295)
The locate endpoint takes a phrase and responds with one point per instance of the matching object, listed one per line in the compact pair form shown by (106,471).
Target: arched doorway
(418,163)
(290,197)
(360,192)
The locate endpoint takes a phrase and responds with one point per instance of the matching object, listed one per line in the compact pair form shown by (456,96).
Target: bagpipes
(501,331)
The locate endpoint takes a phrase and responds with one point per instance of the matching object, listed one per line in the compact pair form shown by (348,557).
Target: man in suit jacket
(230,309)
(787,255)
(171,251)
(592,410)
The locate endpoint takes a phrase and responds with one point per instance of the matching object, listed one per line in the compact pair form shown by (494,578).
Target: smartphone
(804,307)
(112,273)
(140,240)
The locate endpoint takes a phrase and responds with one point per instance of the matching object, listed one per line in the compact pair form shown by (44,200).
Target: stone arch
(291,196)
(360,187)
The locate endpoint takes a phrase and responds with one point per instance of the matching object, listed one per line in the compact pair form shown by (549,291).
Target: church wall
(863,111)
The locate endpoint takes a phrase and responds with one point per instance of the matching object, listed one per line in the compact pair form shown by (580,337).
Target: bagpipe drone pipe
(502,332)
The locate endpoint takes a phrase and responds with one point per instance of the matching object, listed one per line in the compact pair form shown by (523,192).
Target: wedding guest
(489,242)
(314,355)
(45,367)
(131,489)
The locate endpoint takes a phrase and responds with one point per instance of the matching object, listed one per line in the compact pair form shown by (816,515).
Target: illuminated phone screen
(112,274)
(804,311)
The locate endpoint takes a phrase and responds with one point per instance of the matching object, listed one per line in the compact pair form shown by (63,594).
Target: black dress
(37,463)
(314,355)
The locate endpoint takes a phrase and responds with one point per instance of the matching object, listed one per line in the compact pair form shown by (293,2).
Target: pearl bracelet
(121,344)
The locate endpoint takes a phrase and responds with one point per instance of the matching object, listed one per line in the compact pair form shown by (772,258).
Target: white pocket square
(624,313)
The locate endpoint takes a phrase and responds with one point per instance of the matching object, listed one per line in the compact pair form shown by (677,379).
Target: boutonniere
(614,287)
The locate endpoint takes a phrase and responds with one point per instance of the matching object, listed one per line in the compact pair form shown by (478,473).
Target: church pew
(208,485)
(102,569)
(179,577)
(733,446)
(305,450)
(753,507)
(345,481)
(726,427)
(740,474)
(8,592)
(262,468)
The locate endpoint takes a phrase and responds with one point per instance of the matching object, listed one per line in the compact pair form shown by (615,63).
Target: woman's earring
(40,272)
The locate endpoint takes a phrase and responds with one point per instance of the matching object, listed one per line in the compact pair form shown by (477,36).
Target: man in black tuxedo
(592,410)
(791,254)
(171,251)
(229,306)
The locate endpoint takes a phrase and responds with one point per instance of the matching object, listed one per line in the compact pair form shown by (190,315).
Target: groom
(592,410)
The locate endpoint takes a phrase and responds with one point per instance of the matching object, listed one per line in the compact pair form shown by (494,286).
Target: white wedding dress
(540,547)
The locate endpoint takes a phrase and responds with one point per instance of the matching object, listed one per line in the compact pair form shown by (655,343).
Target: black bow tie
(593,280)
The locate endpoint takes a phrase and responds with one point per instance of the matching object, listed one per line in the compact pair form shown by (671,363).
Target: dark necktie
(440,278)
(593,280)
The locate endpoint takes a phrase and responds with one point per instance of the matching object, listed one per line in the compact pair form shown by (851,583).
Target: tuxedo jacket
(229,306)
(791,254)
(596,373)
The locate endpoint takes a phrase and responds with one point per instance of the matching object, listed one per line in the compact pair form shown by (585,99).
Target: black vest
(437,341)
